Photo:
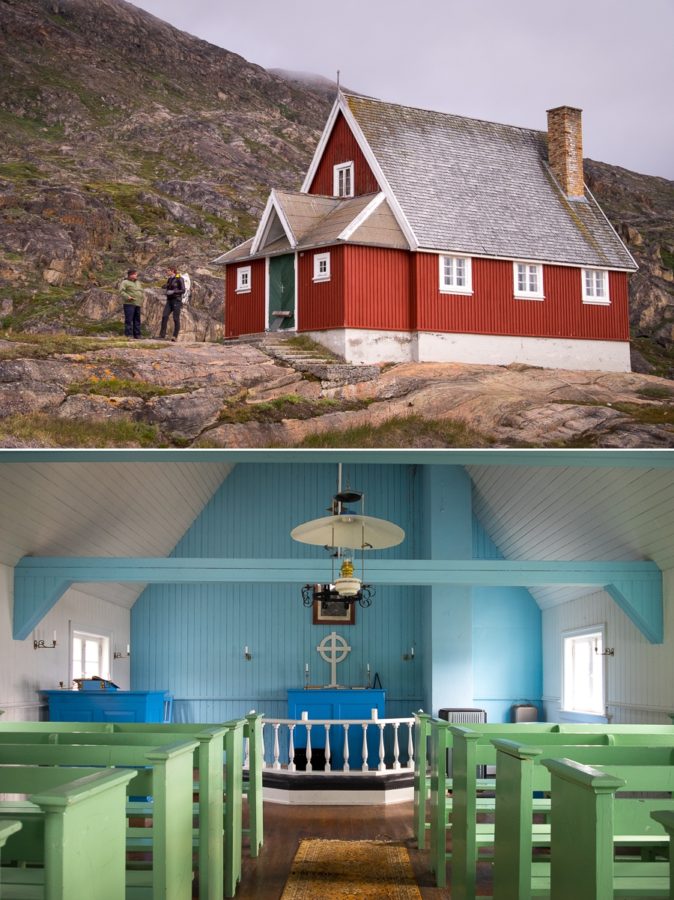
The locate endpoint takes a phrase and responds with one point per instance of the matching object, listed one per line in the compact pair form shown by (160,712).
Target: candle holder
(42,645)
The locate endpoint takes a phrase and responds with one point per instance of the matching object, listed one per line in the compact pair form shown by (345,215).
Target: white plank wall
(24,671)
(639,678)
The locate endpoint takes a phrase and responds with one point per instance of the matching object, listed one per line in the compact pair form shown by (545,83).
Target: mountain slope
(128,141)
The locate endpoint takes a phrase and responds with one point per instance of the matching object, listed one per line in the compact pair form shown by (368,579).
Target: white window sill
(243,291)
(529,297)
(460,292)
(321,278)
(594,302)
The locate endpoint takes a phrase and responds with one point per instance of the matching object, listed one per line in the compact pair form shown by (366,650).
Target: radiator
(462,715)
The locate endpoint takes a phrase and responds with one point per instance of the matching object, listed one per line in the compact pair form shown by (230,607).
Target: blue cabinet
(109,706)
(344,703)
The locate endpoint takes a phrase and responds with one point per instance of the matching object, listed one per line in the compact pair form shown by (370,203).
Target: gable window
(91,655)
(583,671)
(528,278)
(342,180)
(243,280)
(456,275)
(595,286)
(322,267)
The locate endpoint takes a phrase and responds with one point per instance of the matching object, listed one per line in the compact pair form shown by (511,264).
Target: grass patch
(40,430)
(661,358)
(306,344)
(19,171)
(43,346)
(403,432)
(667,258)
(647,415)
(655,392)
(121,387)
(289,406)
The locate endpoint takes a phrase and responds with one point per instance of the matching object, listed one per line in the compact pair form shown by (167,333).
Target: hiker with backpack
(175,290)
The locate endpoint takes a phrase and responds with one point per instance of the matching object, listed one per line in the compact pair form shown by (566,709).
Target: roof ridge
(438,112)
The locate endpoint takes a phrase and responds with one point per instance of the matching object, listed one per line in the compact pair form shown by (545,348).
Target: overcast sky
(501,60)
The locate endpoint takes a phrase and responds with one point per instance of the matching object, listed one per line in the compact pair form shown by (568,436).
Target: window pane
(460,272)
(521,278)
(589,284)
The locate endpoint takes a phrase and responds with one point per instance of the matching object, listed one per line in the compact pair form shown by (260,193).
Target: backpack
(188,287)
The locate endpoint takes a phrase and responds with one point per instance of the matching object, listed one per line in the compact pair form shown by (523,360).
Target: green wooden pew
(211,811)
(666,818)
(519,774)
(472,747)
(80,827)
(166,775)
(583,822)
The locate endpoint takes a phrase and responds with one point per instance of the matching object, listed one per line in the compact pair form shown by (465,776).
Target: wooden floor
(284,826)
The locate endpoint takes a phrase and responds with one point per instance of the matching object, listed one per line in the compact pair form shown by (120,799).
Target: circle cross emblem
(333,649)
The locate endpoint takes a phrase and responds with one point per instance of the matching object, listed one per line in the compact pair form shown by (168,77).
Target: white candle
(306,667)
(128,649)
(368,668)
(54,635)
(245,650)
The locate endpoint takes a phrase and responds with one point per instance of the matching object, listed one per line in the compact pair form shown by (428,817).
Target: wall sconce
(119,655)
(247,655)
(43,645)
(409,656)
(609,651)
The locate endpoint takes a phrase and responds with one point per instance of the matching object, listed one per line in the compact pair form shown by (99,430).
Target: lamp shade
(350,531)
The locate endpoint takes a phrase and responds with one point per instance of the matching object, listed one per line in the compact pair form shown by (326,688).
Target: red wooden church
(419,235)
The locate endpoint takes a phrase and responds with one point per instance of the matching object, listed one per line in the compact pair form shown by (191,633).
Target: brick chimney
(565,149)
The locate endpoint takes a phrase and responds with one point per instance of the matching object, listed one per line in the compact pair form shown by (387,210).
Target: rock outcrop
(244,395)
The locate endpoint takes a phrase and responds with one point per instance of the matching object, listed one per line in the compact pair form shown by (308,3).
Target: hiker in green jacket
(132,295)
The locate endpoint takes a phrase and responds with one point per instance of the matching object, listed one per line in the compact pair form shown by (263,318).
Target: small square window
(243,280)
(322,267)
(595,286)
(456,275)
(528,281)
(342,181)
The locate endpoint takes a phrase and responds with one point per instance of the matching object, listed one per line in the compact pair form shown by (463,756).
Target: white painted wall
(23,670)
(639,678)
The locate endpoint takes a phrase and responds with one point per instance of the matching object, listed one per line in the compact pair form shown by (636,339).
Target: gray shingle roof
(318,221)
(483,189)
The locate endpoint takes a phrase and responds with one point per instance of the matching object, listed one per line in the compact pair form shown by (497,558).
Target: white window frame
(527,293)
(338,172)
(591,281)
(103,641)
(321,261)
(243,279)
(449,285)
(582,646)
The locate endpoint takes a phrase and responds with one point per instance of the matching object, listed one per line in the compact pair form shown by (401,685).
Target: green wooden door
(282,291)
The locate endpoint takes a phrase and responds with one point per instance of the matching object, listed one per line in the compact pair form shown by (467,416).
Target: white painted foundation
(360,346)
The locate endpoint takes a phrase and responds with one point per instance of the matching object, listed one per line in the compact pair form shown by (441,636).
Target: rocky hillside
(127,142)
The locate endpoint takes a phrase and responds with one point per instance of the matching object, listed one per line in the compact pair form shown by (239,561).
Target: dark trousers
(131,320)
(173,307)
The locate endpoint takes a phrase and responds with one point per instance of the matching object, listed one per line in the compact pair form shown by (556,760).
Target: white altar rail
(278,736)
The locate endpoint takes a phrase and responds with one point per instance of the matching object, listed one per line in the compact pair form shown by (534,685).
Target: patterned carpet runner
(366,870)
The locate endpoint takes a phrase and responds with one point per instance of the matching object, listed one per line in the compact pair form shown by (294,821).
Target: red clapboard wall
(321,303)
(245,313)
(492,308)
(377,284)
(341,148)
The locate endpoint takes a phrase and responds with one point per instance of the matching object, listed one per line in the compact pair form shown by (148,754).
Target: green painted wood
(422,730)
(168,779)
(84,836)
(582,864)
(233,806)
(7,829)
(282,290)
(519,774)
(252,731)
(666,819)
